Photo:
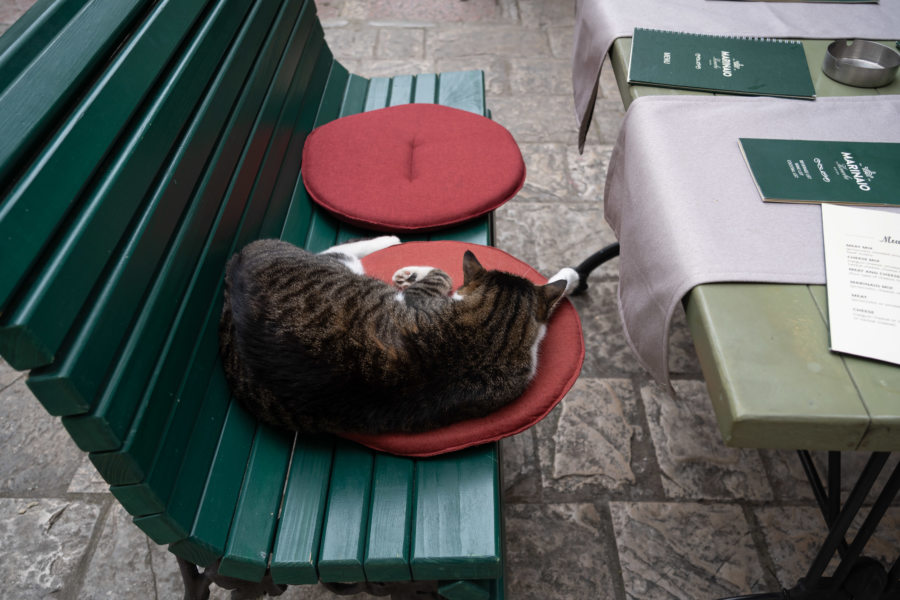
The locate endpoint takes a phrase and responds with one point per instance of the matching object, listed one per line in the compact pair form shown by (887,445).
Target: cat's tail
(576,278)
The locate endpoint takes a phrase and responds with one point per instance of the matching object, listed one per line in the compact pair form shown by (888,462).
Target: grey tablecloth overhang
(686,211)
(600,22)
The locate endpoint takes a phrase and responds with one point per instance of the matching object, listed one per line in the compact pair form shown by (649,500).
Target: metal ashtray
(861,63)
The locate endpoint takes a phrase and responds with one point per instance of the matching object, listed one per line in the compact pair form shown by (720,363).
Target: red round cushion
(411,167)
(559,359)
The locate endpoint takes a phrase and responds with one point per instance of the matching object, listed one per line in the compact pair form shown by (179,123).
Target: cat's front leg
(363,248)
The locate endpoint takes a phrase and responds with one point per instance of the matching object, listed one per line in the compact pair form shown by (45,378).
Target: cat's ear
(550,295)
(471,267)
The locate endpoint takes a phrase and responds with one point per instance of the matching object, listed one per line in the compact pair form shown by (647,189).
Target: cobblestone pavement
(622,492)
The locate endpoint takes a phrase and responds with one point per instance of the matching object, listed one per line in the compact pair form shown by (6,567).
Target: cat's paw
(407,276)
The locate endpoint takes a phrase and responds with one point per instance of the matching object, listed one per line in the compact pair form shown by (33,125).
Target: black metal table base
(856,577)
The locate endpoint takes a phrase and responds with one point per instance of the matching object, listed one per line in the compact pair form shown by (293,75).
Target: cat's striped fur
(310,343)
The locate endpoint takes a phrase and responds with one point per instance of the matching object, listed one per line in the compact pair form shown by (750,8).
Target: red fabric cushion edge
(421,445)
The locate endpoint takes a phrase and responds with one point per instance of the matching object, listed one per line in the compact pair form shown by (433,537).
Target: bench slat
(344,530)
(454,536)
(209,532)
(253,527)
(463,90)
(50,189)
(390,516)
(296,551)
(75,385)
(239,223)
(32,102)
(55,298)
(29,35)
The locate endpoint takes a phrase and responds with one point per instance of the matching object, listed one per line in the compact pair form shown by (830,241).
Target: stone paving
(622,492)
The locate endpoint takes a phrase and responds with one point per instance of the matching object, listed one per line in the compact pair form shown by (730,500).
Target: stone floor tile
(521,468)
(546,174)
(539,13)
(538,119)
(121,566)
(685,551)
(591,444)
(587,171)
(794,535)
(550,236)
(557,551)
(42,542)
(608,353)
(354,42)
(38,455)
(562,41)
(87,480)
(415,10)
(487,40)
(540,75)
(166,576)
(8,375)
(389,68)
(400,43)
(692,458)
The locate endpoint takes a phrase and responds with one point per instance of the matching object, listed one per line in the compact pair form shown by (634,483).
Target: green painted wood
(31,103)
(253,528)
(231,177)
(112,309)
(402,90)
(477,231)
(76,384)
(209,532)
(456,524)
(30,34)
(342,551)
(379,92)
(355,96)
(323,230)
(463,90)
(878,385)
(426,88)
(465,590)
(390,514)
(36,206)
(296,550)
(55,298)
(785,390)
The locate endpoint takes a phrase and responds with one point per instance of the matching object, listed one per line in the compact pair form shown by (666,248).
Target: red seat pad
(559,359)
(411,167)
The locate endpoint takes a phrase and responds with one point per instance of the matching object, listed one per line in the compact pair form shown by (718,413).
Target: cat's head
(490,286)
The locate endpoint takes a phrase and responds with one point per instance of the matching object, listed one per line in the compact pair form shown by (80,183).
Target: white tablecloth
(686,211)
(600,22)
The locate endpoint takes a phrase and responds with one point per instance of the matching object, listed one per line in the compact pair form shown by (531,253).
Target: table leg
(856,577)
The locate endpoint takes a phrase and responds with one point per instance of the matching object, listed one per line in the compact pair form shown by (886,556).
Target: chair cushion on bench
(413,167)
(559,359)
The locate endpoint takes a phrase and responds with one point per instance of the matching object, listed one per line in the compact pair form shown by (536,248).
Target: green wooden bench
(144,141)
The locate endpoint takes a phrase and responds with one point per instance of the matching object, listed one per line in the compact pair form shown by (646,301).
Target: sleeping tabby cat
(312,344)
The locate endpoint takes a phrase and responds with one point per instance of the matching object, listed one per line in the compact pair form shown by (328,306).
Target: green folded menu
(855,173)
(734,65)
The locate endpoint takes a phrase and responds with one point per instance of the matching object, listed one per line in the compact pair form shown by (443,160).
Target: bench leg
(196,584)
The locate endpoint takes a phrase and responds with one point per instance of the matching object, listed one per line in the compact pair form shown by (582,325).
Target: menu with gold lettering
(845,172)
(862,268)
(718,63)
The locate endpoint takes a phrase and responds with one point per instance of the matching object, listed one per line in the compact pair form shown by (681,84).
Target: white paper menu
(862,267)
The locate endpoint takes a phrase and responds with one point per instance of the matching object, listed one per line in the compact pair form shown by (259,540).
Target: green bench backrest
(144,142)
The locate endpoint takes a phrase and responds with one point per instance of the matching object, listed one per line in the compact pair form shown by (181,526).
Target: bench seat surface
(169,144)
